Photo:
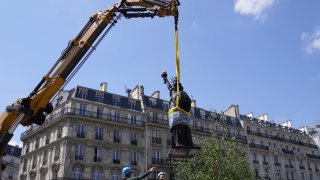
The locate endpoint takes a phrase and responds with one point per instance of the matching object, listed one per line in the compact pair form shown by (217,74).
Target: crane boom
(34,107)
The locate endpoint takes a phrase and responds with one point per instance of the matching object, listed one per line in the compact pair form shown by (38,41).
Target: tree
(219,159)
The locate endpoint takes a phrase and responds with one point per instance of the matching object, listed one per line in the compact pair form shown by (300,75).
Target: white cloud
(312,40)
(14,143)
(254,8)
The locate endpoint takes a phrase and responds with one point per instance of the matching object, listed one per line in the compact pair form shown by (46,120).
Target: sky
(263,55)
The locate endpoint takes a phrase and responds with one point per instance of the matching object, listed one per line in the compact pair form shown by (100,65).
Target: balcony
(158,121)
(116,140)
(156,140)
(81,135)
(78,157)
(258,146)
(134,163)
(265,163)
(97,159)
(286,166)
(317,170)
(313,156)
(291,166)
(278,138)
(286,151)
(116,161)
(255,162)
(54,117)
(157,161)
(134,142)
(301,167)
(218,133)
(310,169)
(277,164)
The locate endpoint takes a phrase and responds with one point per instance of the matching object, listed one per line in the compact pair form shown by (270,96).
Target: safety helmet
(126,171)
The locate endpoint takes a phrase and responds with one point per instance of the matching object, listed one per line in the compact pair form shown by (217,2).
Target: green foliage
(219,159)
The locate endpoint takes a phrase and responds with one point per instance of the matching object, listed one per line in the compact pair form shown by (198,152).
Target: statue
(179,121)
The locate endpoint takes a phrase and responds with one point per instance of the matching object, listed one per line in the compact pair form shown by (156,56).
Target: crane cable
(177,108)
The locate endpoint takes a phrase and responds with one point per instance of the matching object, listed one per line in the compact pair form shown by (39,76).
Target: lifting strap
(177,108)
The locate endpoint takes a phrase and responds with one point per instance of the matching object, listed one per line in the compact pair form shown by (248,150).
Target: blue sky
(263,55)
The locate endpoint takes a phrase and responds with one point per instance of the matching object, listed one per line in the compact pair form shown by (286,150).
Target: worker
(161,176)
(127,173)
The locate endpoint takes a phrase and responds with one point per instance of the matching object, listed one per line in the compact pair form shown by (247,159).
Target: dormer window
(83,93)
(165,106)
(203,114)
(116,101)
(192,112)
(153,102)
(132,105)
(99,97)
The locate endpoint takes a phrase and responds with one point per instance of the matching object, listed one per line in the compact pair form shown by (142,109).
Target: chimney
(193,103)
(128,91)
(287,123)
(156,94)
(141,88)
(233,111)
(103,86)
(263,117)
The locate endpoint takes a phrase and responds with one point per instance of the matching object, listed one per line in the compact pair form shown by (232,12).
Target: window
(99,113)
(99,134)
(12,151)
(156,157)
(156,133)
(115,176)
(59,133)
(79,152)
(96,175)
(47,141)
(254,156)
(11,162)
(153,102)
(134,138)
(44,158)
(81,131)
(165,106)
(134,158)
(117,116)
(116,101)
(133,119)
(203,114)
(116,156)
(264,158)
(302,176)
(83,93)
(276,159)
(97,154)
(99,97)
(10,174)
(77,173)
(154,117)
(34,162)
(192,112)
(57,153)
(116,136)
(82,110)
(132,105)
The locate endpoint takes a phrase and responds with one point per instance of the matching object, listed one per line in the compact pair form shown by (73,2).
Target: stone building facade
(12,162)
(93,134)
